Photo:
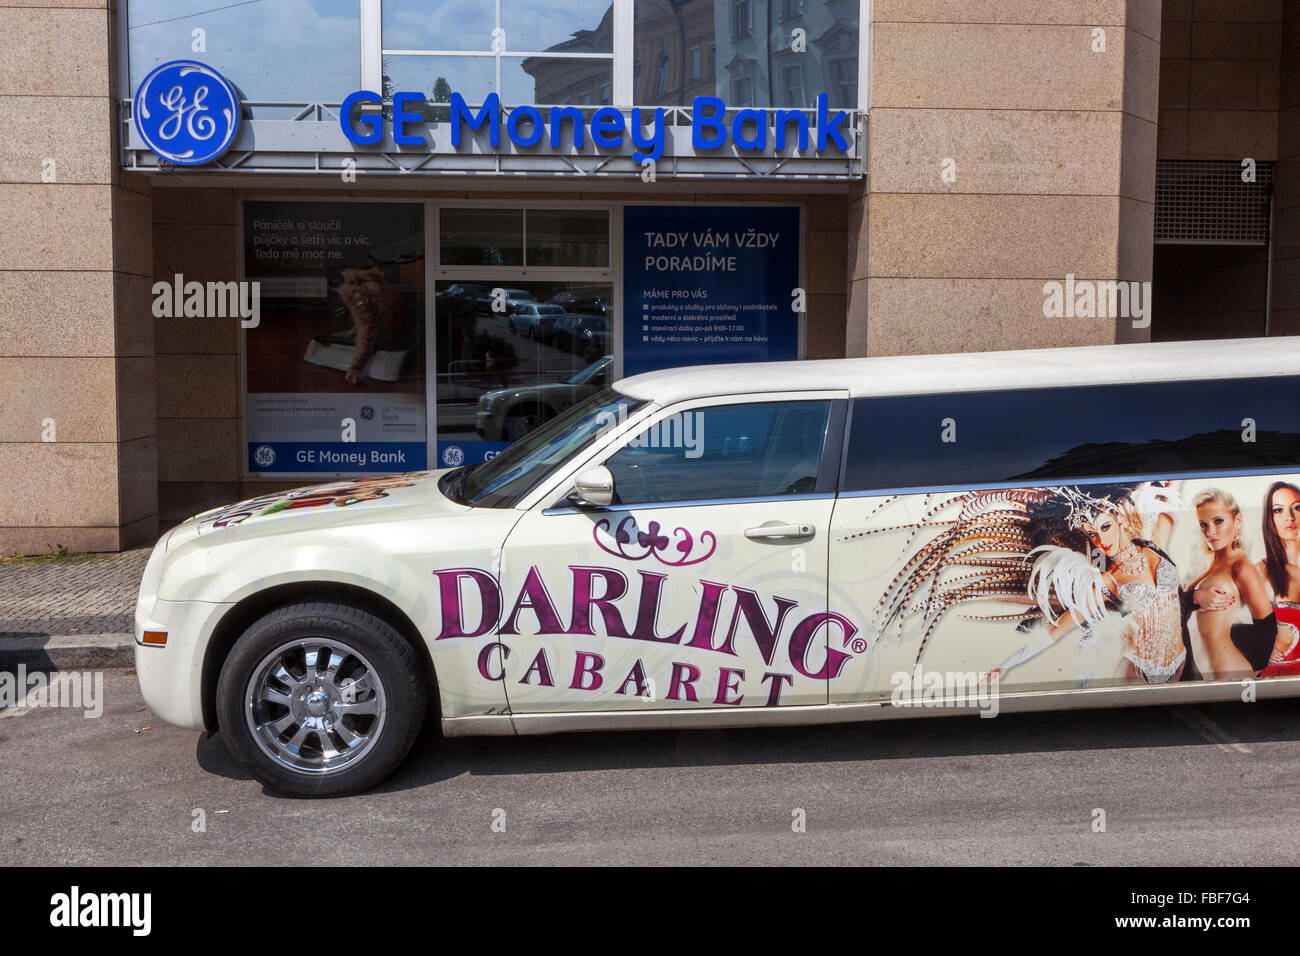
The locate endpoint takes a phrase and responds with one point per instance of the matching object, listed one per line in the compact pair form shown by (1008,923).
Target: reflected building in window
(745,51)
(676,56)
(764,53)
(574,81)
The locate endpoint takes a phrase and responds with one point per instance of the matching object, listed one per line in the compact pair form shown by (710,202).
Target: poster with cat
(335,372)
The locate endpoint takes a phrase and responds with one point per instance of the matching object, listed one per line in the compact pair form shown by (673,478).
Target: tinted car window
(758,450)
(1001,437)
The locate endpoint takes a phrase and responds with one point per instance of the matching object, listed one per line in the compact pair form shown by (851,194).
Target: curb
(68,652)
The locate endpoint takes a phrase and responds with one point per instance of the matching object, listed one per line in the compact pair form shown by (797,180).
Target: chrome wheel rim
(315,705)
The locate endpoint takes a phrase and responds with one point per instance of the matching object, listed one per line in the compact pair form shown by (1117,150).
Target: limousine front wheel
(321,699)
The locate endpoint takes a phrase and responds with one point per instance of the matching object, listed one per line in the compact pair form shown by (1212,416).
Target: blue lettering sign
(526,126)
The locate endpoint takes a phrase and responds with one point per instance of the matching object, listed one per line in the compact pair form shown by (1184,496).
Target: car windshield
(591,374)
(504,480)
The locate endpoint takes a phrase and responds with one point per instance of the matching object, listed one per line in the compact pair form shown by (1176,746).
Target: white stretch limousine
(738,545)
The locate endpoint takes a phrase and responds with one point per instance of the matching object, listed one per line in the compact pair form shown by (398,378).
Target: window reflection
(544,81)
(482,237)
(447,25)
(503,372)
(568,238)
(558,26)
(741,51)
(268,50)
(569,46)
(528,26)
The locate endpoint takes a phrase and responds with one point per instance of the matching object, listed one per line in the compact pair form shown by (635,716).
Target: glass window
(527,26)
(269,51)
(661,74)
(558,25)
(543,52)
(446,25)
(568,237)
(759,450)
(842,79)
(1058,434)
(510,352)
(574,238)
(740,22)
(695,63)
(746,38)
(544,81)
(481,237)
(792,85)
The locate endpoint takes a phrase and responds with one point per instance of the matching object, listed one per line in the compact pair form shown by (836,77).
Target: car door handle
(774,530)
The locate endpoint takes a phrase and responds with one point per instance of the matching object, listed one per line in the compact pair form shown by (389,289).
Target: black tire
(401,700)
(524,419)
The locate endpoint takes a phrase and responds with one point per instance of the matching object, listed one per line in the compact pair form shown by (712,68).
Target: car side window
(758,450)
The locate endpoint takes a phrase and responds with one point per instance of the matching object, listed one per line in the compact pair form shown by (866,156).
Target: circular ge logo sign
(453,455)
(264,456)
(186,112)
(367,412)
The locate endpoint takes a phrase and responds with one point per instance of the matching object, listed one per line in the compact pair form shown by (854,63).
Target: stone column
(78,460)
(1011,144)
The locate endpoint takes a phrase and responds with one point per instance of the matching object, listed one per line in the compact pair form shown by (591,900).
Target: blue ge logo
(186,112)
(453,456)
(367,412)
(264,456)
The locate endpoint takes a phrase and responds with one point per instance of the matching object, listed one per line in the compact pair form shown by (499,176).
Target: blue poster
(709,284)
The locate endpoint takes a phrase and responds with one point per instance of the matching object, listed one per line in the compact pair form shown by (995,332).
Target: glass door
(523,322)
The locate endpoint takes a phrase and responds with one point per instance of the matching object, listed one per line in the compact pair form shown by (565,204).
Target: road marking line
(1211,731)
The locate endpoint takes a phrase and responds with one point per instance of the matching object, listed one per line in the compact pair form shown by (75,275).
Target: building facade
(959,176)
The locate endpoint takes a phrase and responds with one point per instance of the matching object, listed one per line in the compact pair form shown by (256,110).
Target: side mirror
(595,486)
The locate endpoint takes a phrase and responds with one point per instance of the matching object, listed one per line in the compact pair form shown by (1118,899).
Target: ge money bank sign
(186,113)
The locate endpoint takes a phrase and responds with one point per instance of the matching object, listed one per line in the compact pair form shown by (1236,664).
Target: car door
(702,586)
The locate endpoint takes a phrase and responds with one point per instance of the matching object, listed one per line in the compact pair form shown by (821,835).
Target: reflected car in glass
(585,335)
(533,320)
(508,414)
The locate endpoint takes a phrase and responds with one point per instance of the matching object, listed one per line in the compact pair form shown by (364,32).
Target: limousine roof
(979,371)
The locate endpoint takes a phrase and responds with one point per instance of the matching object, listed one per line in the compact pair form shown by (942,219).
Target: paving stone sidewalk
(82,595)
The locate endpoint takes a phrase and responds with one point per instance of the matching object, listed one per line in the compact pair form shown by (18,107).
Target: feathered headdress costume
(1025,547)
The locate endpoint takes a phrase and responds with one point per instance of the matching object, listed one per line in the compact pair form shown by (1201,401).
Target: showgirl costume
(1288,622)
(1027,547)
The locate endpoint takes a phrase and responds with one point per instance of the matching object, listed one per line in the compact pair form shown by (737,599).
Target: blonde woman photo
(1221,648)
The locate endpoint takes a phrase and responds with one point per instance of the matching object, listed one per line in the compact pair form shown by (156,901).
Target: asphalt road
(1203,785)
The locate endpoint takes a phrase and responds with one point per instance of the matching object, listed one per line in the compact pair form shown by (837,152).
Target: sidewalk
(69,612)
